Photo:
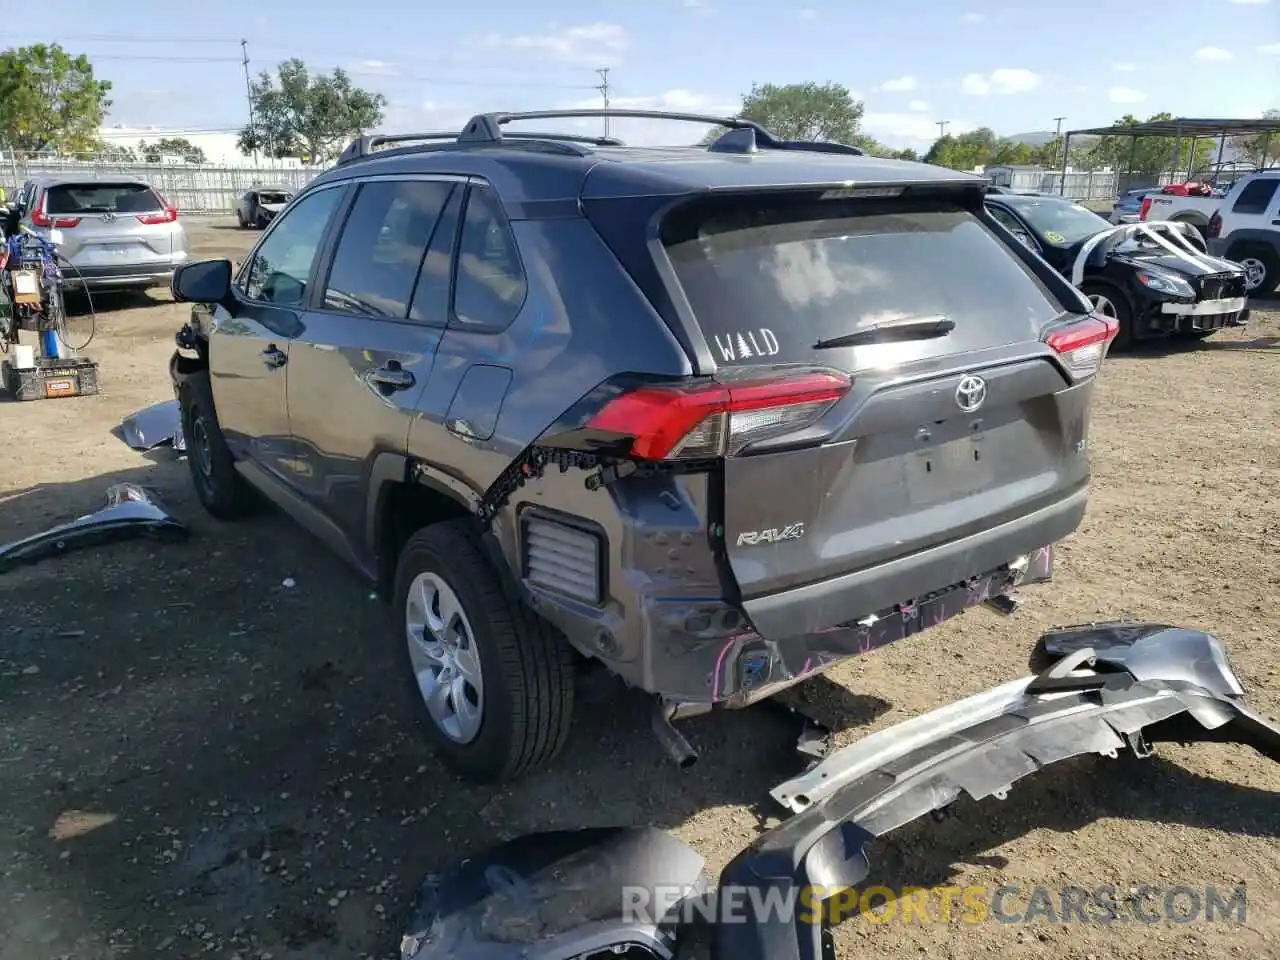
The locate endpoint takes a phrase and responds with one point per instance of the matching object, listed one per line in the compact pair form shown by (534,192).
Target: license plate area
(947,471)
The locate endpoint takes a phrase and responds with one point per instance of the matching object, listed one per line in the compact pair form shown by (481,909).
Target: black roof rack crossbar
(742,136)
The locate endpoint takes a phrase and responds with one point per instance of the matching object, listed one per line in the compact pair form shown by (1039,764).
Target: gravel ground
(198,760)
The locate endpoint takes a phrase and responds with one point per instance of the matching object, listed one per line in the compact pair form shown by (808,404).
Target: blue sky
(913,63)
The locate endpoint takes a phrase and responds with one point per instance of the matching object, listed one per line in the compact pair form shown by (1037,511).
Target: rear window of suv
(767,282)
(101,197)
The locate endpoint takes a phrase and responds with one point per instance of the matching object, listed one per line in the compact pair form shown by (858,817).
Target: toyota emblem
(971,393)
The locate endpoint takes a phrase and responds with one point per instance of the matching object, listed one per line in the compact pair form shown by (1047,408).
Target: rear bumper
(122,275)
(808,609)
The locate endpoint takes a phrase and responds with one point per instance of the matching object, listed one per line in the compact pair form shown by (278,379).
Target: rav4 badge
(754,538)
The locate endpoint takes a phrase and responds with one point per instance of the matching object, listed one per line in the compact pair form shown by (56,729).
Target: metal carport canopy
(1182,126)
(1178,127)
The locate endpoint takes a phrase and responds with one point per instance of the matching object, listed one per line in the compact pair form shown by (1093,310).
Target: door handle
(393,377)
(274,357)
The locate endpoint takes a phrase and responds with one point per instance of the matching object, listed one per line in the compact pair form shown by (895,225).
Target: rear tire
(1111,302)
(508,704)
(244,224)
(220,488)
(1262,268)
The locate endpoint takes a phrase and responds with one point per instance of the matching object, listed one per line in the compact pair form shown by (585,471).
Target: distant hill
(1036,138)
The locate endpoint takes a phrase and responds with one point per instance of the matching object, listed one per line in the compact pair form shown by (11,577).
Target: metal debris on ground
(154,426)
(131,512)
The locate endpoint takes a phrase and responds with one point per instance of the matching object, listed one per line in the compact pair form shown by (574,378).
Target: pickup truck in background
(1243,226)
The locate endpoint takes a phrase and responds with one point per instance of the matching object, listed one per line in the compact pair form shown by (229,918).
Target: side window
(431,295)
(1006,219)
(280,267)
(1256,195)
(489,284)
(382,247)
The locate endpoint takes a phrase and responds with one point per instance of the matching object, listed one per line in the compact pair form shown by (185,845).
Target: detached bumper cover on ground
(130,512)
(1112,687)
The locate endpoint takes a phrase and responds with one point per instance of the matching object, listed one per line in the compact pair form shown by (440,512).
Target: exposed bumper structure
(1110,687)
(154,426)
(130,512)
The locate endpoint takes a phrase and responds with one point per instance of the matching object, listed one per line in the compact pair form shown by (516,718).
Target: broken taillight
(1083,345)
(167,215)
(1145,208)
(712,419)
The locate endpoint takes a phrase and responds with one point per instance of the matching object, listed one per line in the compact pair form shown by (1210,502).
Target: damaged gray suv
(716,416)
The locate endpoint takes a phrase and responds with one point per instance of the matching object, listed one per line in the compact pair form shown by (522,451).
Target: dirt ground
(198,760)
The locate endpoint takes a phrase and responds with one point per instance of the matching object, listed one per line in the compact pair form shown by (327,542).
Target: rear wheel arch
(403,500)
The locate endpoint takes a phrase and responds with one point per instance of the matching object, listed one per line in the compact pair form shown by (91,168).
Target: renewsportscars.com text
(1104,904)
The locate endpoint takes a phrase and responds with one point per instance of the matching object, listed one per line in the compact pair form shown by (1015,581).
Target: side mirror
(202,281)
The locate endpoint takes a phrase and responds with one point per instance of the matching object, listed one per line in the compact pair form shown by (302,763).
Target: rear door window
(90,198)
(382,246)
(489,284)
(767,282)
(1256,195)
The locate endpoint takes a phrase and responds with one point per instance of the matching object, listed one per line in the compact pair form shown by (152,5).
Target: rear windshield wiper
(891,331)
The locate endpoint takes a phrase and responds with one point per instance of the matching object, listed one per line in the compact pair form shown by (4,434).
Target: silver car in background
(112,232)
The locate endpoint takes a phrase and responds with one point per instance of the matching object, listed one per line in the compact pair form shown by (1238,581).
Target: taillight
(693,421)
(1214,230)
(168,215)
(1145,208)
(39,218)
(1083,345)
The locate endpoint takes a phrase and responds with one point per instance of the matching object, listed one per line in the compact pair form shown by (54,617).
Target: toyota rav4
(715,416)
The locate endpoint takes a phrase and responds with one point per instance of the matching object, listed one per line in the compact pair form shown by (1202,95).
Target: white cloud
(1006,80)
(808,13)
(1269,48)
(1212,53)
(973,18)
(652,132)
(1125,95)
(1250,2)
(375,68)
(899,85)
(918,105)
(592,44)
(908,129)
(1126,67)
(701,8)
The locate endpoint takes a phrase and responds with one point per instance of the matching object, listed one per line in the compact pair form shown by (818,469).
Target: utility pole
(248,92)
(604,93)
(1058,132)
(942,128)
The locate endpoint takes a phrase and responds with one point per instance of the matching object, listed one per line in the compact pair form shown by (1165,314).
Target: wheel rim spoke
(444,657)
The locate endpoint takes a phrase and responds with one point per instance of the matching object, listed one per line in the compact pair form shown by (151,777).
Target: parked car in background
(715,417)
(113,232)
(1152,286)
(259,206)
(1129,204)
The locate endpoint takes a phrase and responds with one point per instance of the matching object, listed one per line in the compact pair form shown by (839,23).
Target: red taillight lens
(1083,345)
(1145,208)
(168,215)
(1214,230)
(40,219)
(718,419)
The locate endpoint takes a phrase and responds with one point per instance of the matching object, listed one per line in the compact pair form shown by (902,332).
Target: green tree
(802,111)
(1258,149)
(1150,155)
(171,147)
(48,98)
(311,117)
(115,152)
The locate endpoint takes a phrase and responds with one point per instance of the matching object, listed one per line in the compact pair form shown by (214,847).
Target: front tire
(219,487)
(492,681)
(1111,302)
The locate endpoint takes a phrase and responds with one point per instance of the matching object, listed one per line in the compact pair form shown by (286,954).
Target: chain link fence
(192,188)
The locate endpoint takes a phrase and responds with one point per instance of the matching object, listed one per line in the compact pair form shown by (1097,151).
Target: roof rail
(743,136)
(362,147)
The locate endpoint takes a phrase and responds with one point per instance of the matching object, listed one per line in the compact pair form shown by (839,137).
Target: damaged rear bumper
(1119,686)
(1110,687)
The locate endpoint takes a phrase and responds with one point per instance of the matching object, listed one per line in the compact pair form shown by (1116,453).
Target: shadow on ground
(196,757)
